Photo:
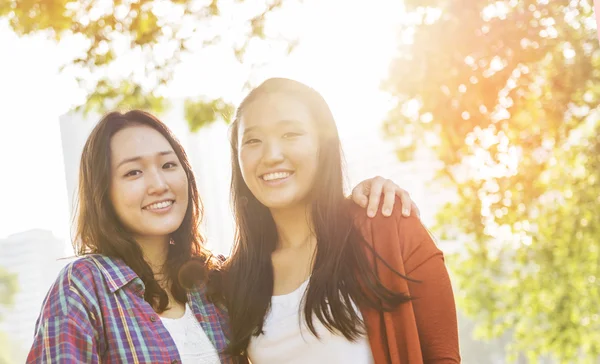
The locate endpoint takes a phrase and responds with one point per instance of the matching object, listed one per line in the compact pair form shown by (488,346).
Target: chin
(163,229)
(160,232)
(280,203)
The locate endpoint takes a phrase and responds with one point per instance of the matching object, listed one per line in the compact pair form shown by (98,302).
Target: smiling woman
(266,169)
(124,300)
(132,297)
(149,189)
(310,279)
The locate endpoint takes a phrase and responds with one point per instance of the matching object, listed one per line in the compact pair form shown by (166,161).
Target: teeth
(159,205)
(276,175)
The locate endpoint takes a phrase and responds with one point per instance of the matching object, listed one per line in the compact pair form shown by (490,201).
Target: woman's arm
(406,245)
(63,332)
(433,304)
(61,339)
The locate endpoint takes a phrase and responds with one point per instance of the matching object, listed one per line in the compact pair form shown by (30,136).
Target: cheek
(308,155)
(124,196)
(307,159)
(248,160)
(180,185)
(178,181)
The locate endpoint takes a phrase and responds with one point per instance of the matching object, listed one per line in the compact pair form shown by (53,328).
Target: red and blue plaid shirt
(95,312)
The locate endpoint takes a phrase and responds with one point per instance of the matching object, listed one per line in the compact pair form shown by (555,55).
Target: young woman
(130,298)
(310,279)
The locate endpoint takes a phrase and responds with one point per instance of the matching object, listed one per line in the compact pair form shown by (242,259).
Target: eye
(133,173)
(169,165)
(251,141)
(291,135)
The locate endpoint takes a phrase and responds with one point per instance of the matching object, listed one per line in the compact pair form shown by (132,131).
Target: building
(36,257)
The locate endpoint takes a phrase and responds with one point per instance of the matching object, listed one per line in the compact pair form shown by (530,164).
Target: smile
(157,206)
(275,176)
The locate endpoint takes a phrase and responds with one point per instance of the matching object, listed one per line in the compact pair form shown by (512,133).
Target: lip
(161,210)
(278,181)
(275,171)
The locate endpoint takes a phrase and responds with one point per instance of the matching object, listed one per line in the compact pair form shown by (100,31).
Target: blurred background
(485,111)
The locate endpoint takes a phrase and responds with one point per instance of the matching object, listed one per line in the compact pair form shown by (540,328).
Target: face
(149,187)
(278,150)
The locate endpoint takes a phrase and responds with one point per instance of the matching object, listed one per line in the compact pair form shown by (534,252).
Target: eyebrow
(279,123)
(137,158)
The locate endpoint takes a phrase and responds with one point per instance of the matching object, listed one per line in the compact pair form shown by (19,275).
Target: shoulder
(396,222)
(394,234)
(75,285)
(80,272)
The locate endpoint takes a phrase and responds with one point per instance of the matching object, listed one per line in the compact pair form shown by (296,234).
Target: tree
(8,288)
(131,48)
(506,94)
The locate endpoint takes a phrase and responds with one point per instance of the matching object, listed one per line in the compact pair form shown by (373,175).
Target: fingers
(415,209)
(359,195)
(368,194)
(375,195)
(405,200)
(389,198)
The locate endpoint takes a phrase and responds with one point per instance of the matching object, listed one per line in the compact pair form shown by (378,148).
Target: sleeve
(433,304)
(61,339)
(64,332)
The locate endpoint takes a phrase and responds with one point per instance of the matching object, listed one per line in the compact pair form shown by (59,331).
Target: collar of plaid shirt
(95,312)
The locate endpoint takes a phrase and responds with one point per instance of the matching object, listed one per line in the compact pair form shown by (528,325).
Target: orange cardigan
(425,329)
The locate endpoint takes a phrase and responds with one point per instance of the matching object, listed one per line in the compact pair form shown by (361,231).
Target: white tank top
(190,339)
(287,339)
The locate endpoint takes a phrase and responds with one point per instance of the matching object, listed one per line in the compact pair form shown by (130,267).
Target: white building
(35,256)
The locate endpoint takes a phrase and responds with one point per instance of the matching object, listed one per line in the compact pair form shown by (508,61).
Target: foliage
(200,113)
(505,92)
(118,36)
(8,288)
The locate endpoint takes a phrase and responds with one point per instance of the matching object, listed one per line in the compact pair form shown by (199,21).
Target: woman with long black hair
(312,280)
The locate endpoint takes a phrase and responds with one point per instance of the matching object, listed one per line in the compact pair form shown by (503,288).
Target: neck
(294,226)
(155,250)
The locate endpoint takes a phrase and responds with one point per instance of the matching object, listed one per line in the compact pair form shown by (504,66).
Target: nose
(157,184)
(273,153)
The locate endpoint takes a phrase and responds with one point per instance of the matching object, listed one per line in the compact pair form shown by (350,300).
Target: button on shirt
(95,312)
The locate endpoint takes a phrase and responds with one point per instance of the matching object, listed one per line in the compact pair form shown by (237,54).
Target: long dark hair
(342,271)
(99,230)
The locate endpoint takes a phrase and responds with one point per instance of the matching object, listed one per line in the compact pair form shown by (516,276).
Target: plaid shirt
(95,312)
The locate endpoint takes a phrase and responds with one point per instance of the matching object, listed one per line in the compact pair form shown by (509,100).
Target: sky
(344,55)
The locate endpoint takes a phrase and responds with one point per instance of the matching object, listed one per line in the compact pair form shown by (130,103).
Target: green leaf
(150,30)
(201,113)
